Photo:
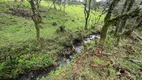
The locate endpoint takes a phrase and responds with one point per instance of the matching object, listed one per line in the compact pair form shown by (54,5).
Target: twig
(137,35)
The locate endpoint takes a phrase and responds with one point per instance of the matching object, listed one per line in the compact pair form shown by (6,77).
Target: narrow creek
(63,61)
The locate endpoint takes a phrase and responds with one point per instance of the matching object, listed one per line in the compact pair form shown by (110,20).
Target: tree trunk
(87,9)
(54,3)
(126,8)
(104,32)
(108,16)
(37,33)
(109,21)
(86,23)
(36,18)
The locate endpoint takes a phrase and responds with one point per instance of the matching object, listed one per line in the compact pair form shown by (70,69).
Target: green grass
(16,29)
(18,35)
(18,39)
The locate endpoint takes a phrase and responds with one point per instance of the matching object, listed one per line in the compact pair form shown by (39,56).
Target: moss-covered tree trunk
(104,32)
(126,8)
(87,9)
(54,3)
(86,23)
(108,16)
(36,18)
(107,23)
(37,33)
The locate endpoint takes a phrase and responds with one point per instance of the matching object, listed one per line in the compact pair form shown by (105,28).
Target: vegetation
(70,40)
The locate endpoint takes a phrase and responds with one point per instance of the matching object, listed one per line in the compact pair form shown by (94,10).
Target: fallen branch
(137,35)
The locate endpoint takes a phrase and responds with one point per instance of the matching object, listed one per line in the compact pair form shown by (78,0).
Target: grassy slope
(15,29)
(18,36)
(19,31)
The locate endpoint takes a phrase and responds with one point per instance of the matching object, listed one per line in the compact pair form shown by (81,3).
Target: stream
(63,61)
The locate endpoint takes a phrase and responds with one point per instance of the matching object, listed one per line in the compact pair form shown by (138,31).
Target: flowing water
(63,61)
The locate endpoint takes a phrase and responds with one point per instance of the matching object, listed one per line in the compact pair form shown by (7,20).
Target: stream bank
(63,60)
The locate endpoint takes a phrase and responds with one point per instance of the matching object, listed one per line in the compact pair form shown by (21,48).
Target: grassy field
(15,29)
(18,35)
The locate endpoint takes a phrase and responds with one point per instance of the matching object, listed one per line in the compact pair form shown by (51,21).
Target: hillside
(67,51)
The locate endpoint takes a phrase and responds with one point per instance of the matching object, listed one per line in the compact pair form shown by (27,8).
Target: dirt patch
(19,12)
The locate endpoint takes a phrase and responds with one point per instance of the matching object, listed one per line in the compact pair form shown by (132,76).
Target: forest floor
(123,62)
(19,53)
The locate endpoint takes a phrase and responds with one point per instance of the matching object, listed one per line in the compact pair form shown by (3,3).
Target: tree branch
(137,35)
(125,15)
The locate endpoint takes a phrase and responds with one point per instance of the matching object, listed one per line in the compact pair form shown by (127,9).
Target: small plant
(62,28)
